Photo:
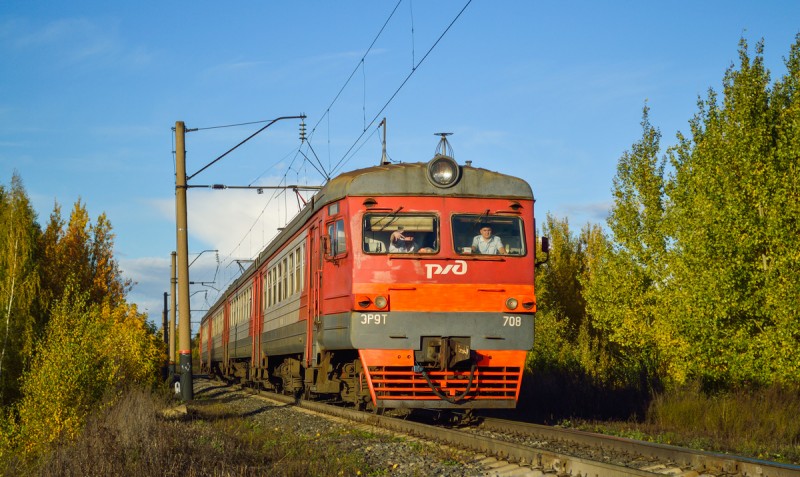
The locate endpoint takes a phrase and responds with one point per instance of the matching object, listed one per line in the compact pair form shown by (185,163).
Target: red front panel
(446,280)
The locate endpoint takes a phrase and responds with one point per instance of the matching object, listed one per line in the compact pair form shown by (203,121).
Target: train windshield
(401,233)
(488,235)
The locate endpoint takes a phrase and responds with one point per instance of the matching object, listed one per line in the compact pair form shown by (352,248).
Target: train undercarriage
(337,376)
(444,374)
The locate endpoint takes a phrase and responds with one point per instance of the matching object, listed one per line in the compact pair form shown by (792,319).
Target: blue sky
(550,91)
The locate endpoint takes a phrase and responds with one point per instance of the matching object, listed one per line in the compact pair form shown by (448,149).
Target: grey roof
(411,179)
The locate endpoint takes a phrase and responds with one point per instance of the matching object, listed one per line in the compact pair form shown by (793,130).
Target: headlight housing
(443,171)
(512,303)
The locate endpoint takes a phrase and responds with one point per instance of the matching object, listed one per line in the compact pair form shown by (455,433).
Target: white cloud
(594,212)
(238,223)
(152,279)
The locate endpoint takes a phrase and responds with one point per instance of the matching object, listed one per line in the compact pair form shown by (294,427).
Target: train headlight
(380,302)
(512,303)
(443,171)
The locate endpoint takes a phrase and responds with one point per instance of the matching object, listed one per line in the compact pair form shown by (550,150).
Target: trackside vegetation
(685,311)
(69,342)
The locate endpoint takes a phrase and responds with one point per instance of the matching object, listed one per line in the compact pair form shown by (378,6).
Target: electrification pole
(165,332)
(173,278)
(181,184)
(184,315)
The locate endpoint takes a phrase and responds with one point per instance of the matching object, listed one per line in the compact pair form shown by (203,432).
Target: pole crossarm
(205,284)
(223,186)
(201,253)
(302,116)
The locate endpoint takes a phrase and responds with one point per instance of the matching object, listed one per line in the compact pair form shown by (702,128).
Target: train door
(315,256)
(256,321)
(226,335)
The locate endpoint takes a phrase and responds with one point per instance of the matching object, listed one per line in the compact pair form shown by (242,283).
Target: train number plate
(373,318)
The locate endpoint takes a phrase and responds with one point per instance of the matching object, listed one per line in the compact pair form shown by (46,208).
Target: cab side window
(337,237)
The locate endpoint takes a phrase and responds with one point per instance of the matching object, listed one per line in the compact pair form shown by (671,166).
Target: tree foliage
(82,252)
(89,353)
(69,338)
(18,286)
(698,277)
(566,339)
(735,221)
(625,295)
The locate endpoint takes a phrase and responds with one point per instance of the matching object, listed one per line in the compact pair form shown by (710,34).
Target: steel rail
(523,455)
(686,458)
(692,462)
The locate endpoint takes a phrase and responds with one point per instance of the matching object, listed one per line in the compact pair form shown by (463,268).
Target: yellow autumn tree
(90,354)
(94,343)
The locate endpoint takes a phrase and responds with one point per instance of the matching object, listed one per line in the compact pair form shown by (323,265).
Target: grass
(761,422)
(131,439)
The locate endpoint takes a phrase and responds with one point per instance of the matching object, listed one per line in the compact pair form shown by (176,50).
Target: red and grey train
(377,293)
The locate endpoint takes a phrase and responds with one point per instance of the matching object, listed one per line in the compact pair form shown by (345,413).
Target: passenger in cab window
(486,243)
(401,242)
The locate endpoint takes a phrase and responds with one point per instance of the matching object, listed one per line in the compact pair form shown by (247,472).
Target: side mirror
(326,247)
(545,250)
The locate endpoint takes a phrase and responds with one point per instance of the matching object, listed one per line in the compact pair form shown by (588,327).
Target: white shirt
(488,247)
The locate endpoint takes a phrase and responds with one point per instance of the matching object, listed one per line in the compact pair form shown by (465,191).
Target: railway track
(647,456)
(514,448)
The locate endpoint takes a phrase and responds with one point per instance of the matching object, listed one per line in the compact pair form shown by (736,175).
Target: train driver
(400,242)
(486,243)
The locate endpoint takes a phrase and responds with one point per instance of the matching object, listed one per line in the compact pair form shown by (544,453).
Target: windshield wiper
(480,217)
(393,215)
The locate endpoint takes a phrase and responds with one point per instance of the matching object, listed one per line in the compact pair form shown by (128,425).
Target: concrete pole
(173,278)
(184,315)
(164,330)
(165,333)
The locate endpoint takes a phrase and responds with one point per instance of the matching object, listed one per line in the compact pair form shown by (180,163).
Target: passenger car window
(488,234)
(400,233)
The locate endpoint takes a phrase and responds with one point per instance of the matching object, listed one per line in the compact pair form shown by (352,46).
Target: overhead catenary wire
(360,141)
(344,158)
(411,10)
(274,196)
(270,123)
(293,151)
(232,125)
(336,98)
(353,148)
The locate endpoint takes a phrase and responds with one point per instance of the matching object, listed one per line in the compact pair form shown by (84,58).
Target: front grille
(402,383)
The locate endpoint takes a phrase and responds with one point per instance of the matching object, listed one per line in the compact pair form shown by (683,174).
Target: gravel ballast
(384,453)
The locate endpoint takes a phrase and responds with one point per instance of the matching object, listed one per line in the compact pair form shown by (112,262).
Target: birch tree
(18,286)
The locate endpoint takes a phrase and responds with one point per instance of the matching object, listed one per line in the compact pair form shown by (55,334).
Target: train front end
(443,301)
